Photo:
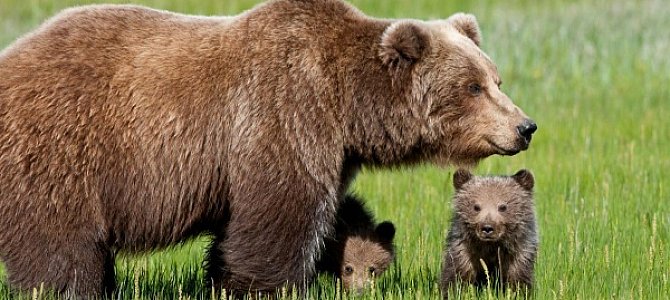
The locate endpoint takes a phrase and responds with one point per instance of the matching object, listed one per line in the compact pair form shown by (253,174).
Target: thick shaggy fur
(127,128)
(359,249)
(494,223)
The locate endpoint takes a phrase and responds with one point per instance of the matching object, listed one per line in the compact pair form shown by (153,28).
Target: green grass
(595,75)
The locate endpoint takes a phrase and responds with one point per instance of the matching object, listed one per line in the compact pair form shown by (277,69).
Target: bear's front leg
(215,266)
(520,272)
(457,267)
(274,237)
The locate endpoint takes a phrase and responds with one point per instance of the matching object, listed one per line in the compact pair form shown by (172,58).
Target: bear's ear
(525,179)
(467,25)
(385,231)
(461,177)
(403,43)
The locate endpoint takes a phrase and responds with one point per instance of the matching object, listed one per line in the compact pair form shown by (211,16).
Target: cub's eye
(348,270)
(372,270)
(502,207)
(477,207)
(475,89)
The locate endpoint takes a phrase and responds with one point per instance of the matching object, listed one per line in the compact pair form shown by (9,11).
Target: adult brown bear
(124,128)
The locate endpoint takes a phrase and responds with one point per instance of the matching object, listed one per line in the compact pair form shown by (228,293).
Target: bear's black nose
(487,229)
(527,128)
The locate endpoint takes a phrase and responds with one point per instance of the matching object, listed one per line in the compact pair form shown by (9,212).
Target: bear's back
(83,101)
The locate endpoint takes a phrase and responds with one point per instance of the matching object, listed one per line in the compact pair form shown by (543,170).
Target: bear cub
(358,250)
(493,225)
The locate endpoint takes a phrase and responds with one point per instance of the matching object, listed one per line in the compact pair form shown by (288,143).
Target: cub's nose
(526,129)
(487,229)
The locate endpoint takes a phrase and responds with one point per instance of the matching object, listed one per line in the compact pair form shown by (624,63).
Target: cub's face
(363,260)
(457,86)
(493,207)
(366,258)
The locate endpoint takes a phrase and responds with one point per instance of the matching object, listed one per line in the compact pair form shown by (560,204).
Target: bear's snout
(487,231)
(526,130)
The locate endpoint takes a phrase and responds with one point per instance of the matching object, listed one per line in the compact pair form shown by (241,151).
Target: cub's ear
(525,179)
(467,25)
(403,43)
(461,177)
(385,231)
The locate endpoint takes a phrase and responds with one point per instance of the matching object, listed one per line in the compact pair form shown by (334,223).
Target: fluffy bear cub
(359,250)
(493,237)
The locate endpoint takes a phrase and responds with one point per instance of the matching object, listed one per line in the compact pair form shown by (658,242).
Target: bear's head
(455,89)
(366,257)
(492,208)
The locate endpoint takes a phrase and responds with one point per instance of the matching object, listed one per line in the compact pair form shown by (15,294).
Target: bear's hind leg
(92,271)
(76,270)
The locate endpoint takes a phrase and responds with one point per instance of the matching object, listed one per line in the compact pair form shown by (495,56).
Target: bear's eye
(477,208)
(475,89)
(348,270)
(372,270)
(502,207)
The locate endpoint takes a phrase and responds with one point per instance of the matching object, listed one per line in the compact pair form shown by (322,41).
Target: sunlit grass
(595,75)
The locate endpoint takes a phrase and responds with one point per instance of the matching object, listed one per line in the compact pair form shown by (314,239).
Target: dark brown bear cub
(359,250)
(493,225)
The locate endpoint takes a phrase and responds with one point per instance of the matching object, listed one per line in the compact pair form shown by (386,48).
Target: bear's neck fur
(380,126)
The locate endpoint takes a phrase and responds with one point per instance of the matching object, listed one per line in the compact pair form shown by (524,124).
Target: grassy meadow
(594,75)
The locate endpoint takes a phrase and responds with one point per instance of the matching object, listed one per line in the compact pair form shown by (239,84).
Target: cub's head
(455,88)
(492,208)
(366,257)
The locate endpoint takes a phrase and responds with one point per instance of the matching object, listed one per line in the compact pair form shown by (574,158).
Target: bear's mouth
(489,238)
(502,150)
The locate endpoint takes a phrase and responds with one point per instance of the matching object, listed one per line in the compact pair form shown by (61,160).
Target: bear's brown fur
(358,251)
(127,128)
(493,224)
